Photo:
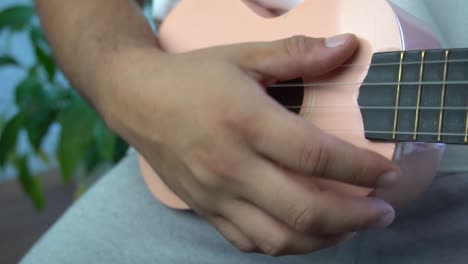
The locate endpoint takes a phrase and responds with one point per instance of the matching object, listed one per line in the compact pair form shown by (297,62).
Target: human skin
(202,119)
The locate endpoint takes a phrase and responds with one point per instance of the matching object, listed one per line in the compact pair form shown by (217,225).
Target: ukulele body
(381,26)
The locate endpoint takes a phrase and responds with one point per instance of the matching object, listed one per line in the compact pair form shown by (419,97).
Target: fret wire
(397,101)
(418,102)
(466,128)
(442,98)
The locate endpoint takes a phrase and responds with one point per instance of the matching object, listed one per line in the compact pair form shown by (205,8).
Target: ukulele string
(382,83)
(396,132)
(403,63)
(384,131)
(419,133)
(357,108)
(324,84)
(376,84)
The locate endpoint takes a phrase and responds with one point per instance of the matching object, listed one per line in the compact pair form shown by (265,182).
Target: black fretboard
(417,96)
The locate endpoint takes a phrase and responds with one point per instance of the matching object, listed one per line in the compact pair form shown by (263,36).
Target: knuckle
(208,171)
(356,175)
(245,247)
(203,199)
(307,157)
(313,158)
(221,171)
(304,219)
(244,122)
(217,177)
(240,242)
(279,246)
(273,251)
(299,45)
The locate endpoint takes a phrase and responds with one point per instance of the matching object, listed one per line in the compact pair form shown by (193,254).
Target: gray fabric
(118,221)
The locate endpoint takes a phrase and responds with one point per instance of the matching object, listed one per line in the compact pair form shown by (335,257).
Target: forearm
(88,37)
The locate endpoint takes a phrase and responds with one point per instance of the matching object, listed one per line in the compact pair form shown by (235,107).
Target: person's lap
(118,221)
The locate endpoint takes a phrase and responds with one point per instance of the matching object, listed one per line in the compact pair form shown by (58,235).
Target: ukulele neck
(416,96)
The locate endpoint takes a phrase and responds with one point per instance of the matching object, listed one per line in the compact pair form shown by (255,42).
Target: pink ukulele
(401,104)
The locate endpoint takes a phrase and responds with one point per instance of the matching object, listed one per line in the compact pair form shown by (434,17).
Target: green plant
(42,99)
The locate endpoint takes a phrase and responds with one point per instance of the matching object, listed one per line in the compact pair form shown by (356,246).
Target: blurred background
(53,146)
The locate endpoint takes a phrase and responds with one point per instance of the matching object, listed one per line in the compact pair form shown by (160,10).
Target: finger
(231,233)
(297,56)
(294,142)
(297,144)
(270,236)
(294,200)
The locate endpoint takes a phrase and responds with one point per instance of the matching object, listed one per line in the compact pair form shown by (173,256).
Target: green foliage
(84,141)
(8,61)
(76,137)
(9,137)
(16,18)
(30,184)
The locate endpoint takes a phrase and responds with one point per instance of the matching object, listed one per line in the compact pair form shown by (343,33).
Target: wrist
(123,83)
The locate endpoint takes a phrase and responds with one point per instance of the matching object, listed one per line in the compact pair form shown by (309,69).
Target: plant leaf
(9,137)
(37,109)
(105,140)
(76,136)
(42,51)
(91,159)
(37,124)
(43,156)
(28,92)
(16,17)
(47,62)
(30,185)
(121,147)
(37,35)
(6,60)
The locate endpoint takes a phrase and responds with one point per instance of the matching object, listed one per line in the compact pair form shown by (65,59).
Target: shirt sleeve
(162,7)
(284,5)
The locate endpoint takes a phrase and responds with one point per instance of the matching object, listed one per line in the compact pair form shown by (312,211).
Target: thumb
(299,56)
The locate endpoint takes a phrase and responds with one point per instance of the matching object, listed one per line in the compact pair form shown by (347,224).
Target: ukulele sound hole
(290,97)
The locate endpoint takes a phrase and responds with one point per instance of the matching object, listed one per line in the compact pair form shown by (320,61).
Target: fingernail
(387,180)
(385,220)
(337,41)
